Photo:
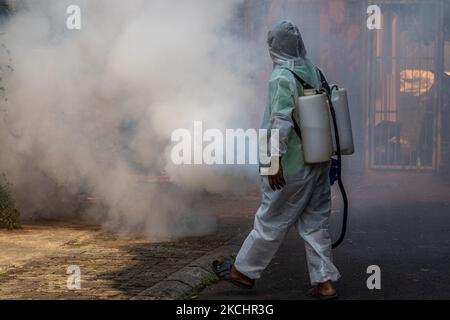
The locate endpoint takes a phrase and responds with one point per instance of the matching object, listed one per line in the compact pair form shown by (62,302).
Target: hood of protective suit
(285,43)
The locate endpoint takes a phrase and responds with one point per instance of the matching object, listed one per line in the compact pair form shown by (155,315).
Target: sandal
(222,269)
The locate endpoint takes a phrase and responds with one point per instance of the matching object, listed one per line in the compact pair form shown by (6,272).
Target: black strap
(323,81)
(297,128)
(304,84)
(307,86)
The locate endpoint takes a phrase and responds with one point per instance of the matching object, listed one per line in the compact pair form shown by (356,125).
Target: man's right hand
(276,181)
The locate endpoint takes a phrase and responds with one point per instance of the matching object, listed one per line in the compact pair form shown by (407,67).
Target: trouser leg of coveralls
(278,212)
(313,226)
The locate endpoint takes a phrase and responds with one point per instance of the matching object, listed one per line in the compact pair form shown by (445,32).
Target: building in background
(398,77)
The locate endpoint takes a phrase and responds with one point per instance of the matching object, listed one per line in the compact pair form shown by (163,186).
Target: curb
(187,279)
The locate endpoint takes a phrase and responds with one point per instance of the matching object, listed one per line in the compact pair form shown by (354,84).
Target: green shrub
(9,215)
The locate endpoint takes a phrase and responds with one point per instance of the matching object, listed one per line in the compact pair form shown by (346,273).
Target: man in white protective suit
(298,195)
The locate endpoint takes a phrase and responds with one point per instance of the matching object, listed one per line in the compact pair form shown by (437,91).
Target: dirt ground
(34,259)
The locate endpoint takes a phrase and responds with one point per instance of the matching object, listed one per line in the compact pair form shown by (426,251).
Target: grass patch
(9,215)
(208,281)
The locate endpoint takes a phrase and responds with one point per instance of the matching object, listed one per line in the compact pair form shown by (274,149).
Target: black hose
(339,172)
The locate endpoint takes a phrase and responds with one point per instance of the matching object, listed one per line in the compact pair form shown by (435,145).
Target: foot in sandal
(225,270)
(324,291)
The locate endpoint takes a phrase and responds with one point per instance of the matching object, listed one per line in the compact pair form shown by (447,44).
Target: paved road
(400,223)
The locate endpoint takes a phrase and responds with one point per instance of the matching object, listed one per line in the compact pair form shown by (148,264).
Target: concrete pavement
(34,259)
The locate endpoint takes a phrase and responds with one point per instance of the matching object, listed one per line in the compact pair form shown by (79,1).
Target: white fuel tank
(313,117)
(344,124)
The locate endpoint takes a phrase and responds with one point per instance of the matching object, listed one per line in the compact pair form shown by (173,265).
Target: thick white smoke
(89,110)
